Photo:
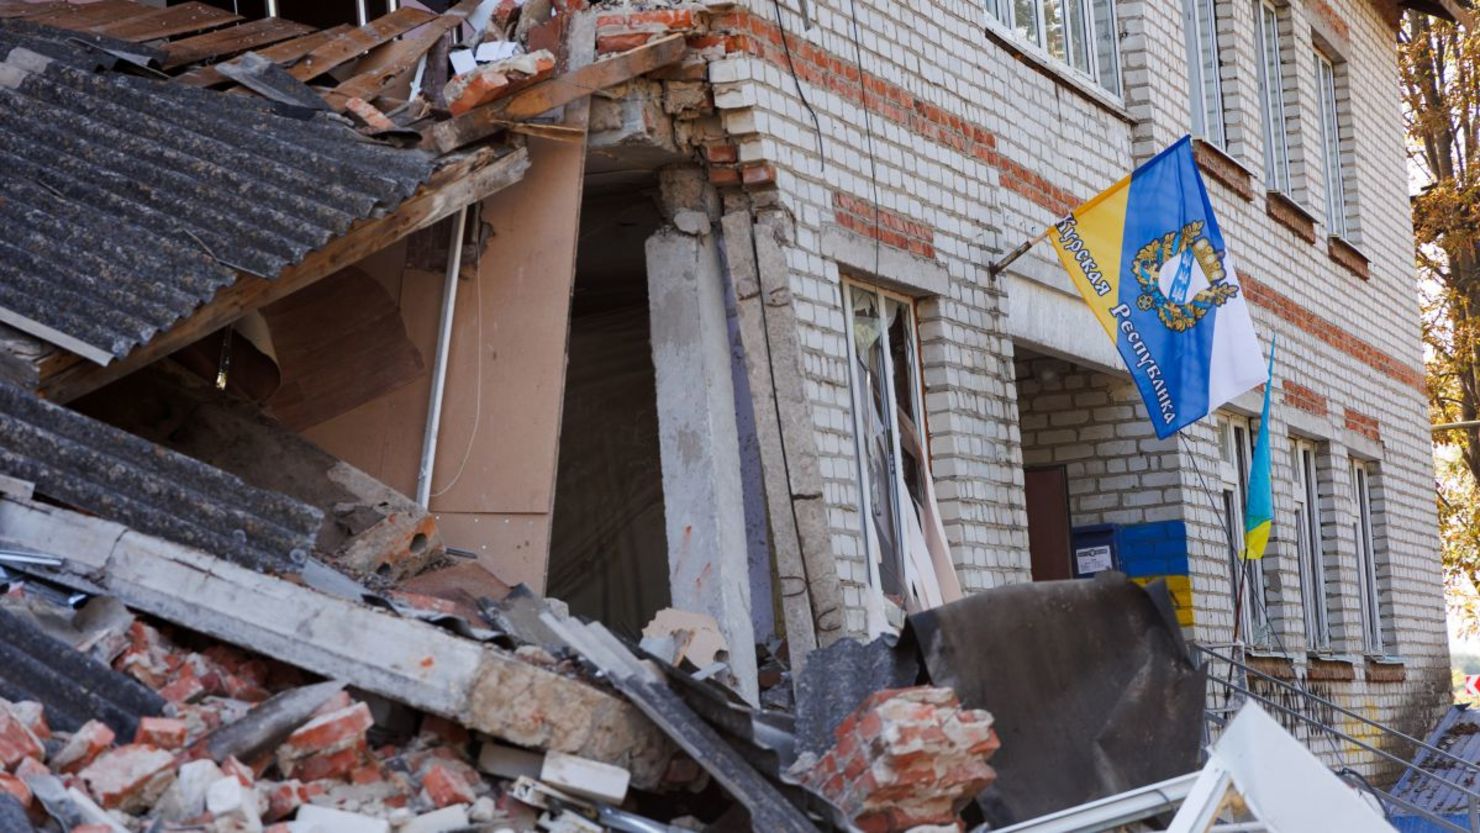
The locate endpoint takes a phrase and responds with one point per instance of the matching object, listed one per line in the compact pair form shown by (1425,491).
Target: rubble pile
(340,770)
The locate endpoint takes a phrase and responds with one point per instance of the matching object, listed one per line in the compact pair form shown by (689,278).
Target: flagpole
(1006,260)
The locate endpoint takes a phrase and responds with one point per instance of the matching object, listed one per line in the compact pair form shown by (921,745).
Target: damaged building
(336,338)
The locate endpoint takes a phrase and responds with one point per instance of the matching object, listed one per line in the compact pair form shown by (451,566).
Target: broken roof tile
(125,478)
(130,201)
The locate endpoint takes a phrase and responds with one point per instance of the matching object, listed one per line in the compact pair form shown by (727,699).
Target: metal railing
(1309,710)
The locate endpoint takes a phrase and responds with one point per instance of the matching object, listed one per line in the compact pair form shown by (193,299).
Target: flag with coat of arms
(1149,258)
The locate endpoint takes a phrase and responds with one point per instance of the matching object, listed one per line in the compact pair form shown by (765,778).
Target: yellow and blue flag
(1149,258)
(1259,507)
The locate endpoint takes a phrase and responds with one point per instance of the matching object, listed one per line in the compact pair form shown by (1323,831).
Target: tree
(1439,63)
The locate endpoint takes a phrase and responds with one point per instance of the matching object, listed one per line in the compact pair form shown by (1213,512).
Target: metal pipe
(1331,705)
(1451,426)
(272,10)
(1006,260)
(362,16)
(439,364)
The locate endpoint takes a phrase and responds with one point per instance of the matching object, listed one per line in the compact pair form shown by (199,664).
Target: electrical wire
(792,67)
(868,130)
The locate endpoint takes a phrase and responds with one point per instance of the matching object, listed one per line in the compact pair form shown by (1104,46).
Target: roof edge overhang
(61,375)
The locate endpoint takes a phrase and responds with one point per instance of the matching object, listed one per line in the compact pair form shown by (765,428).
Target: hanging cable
(802,94)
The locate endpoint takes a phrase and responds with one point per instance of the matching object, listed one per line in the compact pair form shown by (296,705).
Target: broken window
(1272,98)
(1309,547)
(1369,572)
(1246,578)
(1203,66)
(889,433)
(1337,207)
(1081,33)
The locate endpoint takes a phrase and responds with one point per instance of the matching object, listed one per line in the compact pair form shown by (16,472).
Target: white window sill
(1034,56)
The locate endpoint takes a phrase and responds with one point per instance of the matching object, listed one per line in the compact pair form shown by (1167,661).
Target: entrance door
(1049,536)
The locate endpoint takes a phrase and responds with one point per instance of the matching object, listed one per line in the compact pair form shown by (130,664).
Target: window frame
(1235,454)
(1369,584)
(1197,66)
(1005,13)
(1310,546)
(897,489)
(1338,208)
(1273,108)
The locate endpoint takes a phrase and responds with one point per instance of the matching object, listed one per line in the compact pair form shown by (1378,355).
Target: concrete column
(703,497)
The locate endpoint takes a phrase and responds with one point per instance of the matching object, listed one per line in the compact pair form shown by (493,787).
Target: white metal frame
(897,491)
(1235,453)
(1097,31)
(1272,96)
(1369,591)
(1336,206)
(1309,546)
(1203,53)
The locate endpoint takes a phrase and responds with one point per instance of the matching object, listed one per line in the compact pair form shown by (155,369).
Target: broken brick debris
(496,80)
(74,687)
(906,758)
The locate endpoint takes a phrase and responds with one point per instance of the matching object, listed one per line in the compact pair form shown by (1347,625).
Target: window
(1081,33)
(1203,62)
(1272,98)
(1246,578)
(1368,584)
(1308,546)
(1336,200)
(884,355)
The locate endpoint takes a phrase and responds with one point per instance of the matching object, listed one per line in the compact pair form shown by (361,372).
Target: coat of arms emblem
(1181,277)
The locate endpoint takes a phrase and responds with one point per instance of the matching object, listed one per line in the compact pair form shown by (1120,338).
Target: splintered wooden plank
(547,95)
(167,22)
(400,57)
(21,8)
(225,42)
(71,16)
(281,53)
(356,42)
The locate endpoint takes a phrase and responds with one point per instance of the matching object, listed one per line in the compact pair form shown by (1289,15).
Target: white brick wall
(981,200)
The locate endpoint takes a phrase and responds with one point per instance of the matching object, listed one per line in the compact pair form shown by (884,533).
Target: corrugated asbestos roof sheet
(1458,733)
(114,474)
(126,202)
(75,687)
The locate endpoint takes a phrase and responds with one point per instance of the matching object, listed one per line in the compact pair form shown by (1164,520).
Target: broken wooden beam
(400,58)
(357,42)
(480,686)
(224,42)
(453,186)
(541,98)
(281,53)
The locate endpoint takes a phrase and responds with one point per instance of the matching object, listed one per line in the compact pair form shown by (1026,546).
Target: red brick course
(1291,215)
(888,227)
(1286,308)
(1302,398)
(1365,425)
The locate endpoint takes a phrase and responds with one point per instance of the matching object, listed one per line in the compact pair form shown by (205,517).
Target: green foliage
(1439,63)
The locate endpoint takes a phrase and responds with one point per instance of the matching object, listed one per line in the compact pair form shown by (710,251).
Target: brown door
(1048,522)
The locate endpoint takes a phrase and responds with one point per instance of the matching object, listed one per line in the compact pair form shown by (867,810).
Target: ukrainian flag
(1149,258)
(1259,508)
